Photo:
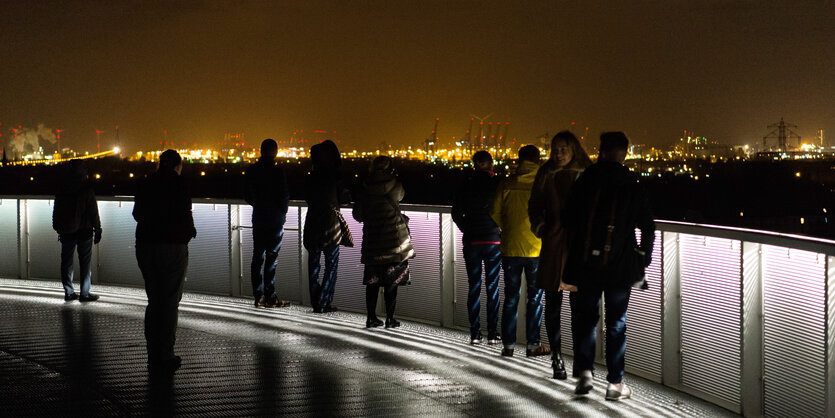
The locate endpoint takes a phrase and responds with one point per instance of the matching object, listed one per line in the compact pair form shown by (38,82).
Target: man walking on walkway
(75,217)
(267,192)
(603,209)
(520,252)
(164,226)
(471,213)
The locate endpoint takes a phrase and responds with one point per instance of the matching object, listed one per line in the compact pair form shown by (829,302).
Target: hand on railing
(565,286)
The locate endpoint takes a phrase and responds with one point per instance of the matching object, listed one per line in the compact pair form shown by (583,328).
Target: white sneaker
(618,391)
(585,383)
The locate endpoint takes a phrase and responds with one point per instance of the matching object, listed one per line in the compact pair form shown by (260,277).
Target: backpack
(67,212)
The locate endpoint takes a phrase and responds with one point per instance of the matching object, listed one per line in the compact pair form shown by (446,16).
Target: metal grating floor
(60,358)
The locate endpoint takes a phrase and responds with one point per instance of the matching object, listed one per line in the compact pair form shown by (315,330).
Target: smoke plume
(28,140)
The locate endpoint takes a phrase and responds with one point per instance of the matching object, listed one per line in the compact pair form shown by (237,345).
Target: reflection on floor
(60,358)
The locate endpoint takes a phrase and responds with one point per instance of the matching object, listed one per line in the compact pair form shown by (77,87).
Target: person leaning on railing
(386,244)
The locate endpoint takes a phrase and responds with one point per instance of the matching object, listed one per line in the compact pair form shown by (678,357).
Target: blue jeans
(85,252)
(490,255)
(513,268)
(585,312)
(266,244)
(321,295)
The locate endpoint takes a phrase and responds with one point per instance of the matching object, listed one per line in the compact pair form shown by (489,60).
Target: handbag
(637,269)
(346,238)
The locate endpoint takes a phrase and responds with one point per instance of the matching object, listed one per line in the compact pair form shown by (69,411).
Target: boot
(558,365)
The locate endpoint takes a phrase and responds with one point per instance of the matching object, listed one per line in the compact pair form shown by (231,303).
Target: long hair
(578,154)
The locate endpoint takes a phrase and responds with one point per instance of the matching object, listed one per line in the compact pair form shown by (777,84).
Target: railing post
(447,270)
(671,309)
(752,329)
(830,336)
(235,274)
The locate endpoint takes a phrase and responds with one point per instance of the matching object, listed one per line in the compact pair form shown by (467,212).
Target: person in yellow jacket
(520,253)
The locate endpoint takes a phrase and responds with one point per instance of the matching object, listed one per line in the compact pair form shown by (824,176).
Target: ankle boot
(558,365)
(392,323)
(373,322)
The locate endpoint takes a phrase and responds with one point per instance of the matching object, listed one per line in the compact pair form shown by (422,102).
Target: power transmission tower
(782,132)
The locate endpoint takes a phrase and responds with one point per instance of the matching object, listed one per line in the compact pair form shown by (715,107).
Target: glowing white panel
(350,293)
(643,321)
(422,299)
(44,248)
(8,236)
(117,249)
(208,254)
(710,316)
(794,332)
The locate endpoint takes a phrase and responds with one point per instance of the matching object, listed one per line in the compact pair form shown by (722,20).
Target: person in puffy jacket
(386,244)
(75,216)
(550,190)
(324,228)
(266,190)
(481,244)
(520,252)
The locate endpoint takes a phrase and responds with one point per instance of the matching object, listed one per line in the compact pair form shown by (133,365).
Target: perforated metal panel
(117,251)
(710,316)
(350,293)
(8,236)
(44,248)
(643,321)
(794,328)
(462,288)
(208,254)
(567,341)
(287,279)
(422,299)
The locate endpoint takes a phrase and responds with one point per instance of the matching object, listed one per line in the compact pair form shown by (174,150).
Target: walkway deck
(60,358)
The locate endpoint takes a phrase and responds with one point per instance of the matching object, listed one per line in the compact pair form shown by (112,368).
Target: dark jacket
(163,211)
(604,189)
(266,190)
(75,208)
(471,208)
(385,233)
(550,190)
(325,192)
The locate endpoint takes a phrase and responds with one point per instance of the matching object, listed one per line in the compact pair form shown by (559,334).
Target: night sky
(378,71)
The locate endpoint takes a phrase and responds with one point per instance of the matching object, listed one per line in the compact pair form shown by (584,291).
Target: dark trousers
(585,312)
(491,256)
(321,295)
(513,268)
(69,243)
(163,268)
(372,292)
(553,307)
(266,244)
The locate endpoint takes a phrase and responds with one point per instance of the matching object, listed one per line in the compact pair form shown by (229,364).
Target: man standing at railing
(482,238)
(603,209)
(164,226)
(266,190)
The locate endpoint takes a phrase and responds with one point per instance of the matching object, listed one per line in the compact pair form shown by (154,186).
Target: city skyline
(378,72)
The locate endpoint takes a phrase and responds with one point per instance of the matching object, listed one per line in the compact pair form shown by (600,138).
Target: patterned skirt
(387,274)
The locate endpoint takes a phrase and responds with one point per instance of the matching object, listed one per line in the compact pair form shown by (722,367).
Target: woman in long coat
(324,228)
(550,190)
(386,245)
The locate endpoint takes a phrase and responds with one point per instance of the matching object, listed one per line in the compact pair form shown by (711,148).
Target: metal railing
(742,318)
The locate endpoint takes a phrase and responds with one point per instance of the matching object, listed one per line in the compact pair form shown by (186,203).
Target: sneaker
(475,340)
(540,350)
(493,338)
(317,310)
(558,365)
(327,309)
(585,383)
(373,323)
(89,298)
(260,302)
(71,297)
(392,323)
(618,391)
(507,352)
(277,303)
(165,366)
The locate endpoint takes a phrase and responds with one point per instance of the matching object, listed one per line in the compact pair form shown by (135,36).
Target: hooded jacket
(266,190)
(471,209)
(325,193)
(605,192)
(510,212)
(385,233)
(163,210)
(550,191)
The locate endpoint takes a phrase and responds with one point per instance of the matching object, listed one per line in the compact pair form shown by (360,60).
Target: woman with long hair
(386,244)
(553,182)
